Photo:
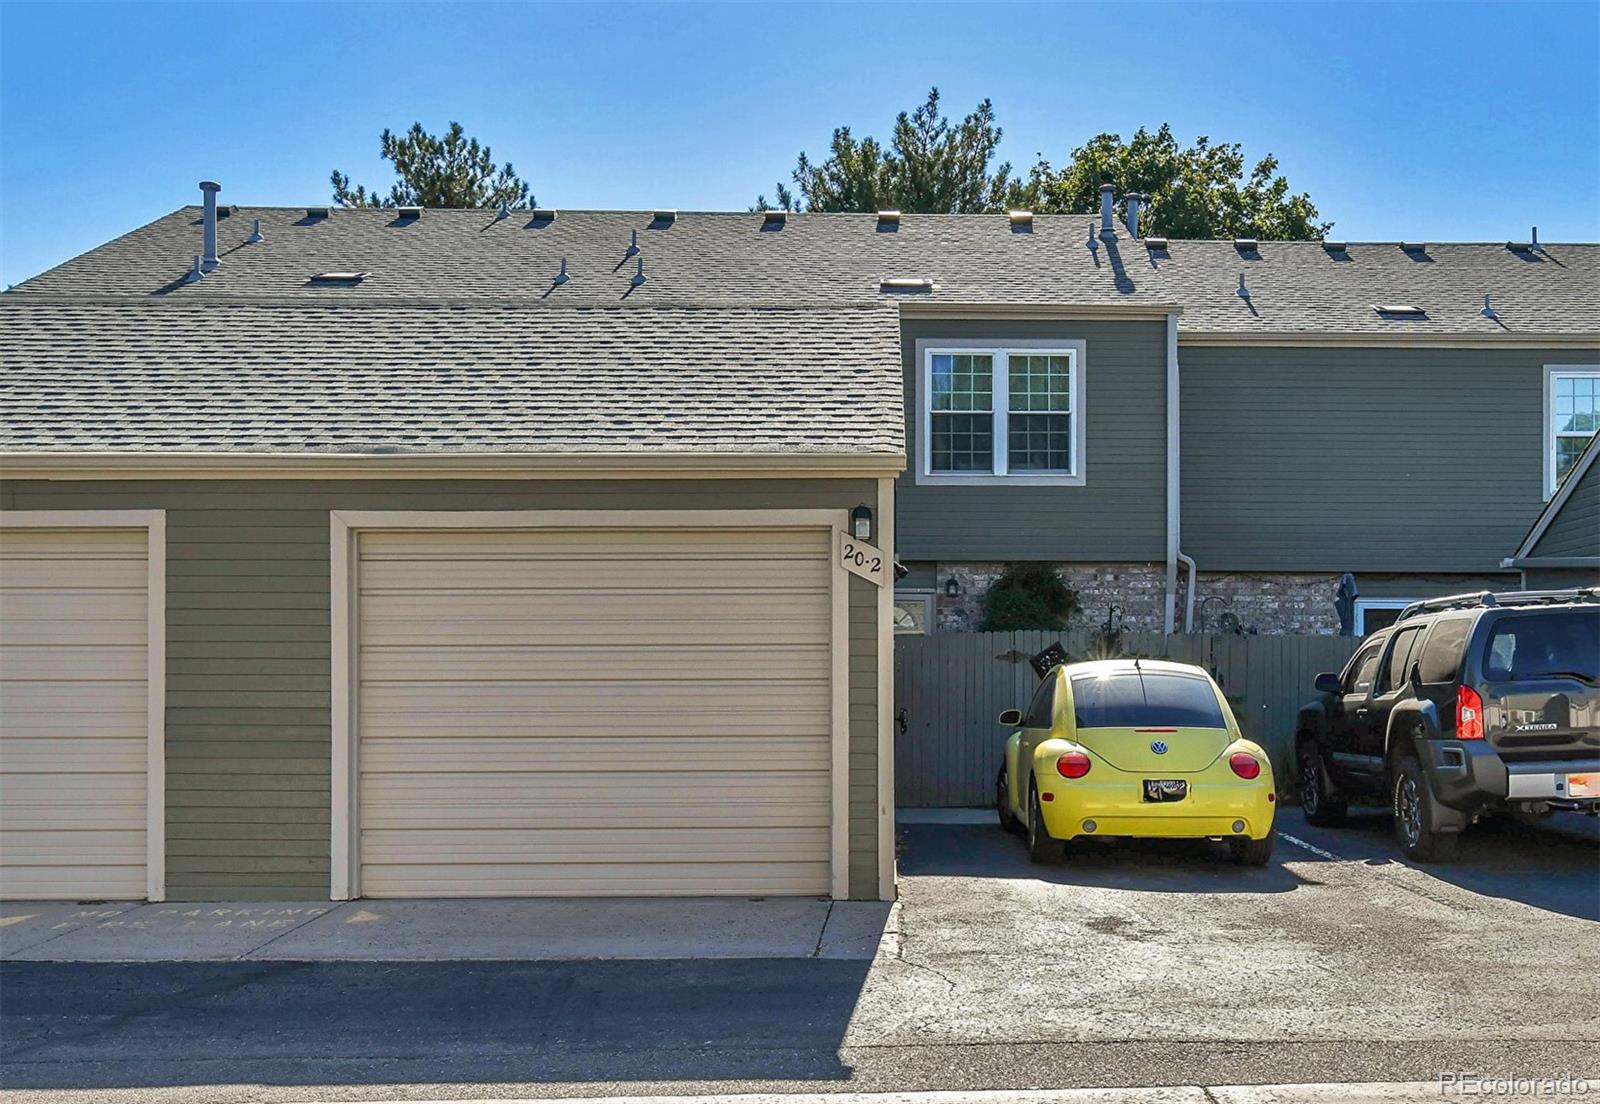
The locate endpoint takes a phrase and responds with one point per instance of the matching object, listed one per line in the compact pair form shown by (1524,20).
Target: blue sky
(1441,122)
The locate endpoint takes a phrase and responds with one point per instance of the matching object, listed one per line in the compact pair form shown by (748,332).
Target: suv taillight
(1469,714)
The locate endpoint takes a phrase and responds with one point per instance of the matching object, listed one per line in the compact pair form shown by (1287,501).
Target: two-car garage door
(593,710)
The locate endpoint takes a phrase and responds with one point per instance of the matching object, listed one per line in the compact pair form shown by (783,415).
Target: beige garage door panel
(73,721)
(581,711)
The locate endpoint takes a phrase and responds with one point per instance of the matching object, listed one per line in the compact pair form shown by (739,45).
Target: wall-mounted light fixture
(952,587)
(861,522)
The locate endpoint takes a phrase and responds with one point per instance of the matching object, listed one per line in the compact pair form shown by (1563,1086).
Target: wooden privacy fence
(950,687)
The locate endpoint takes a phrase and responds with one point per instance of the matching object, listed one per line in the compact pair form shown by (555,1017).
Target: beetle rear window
(1145,699)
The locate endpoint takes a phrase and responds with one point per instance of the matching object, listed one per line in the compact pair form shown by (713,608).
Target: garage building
(366,596)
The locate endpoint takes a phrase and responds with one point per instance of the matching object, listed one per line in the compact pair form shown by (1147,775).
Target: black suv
(1465,706)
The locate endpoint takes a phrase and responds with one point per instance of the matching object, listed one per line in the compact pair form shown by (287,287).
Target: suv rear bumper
(1468,775)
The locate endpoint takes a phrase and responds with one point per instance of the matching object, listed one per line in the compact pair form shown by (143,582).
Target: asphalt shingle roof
(730,258)
(132,375)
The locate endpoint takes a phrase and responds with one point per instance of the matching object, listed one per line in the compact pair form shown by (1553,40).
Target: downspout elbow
(1193,576)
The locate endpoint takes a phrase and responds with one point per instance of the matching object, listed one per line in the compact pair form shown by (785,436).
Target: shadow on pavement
(1552,865)
(92,1026)
(1151,866)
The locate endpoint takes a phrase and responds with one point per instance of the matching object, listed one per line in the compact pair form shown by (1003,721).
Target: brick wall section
(1267,602)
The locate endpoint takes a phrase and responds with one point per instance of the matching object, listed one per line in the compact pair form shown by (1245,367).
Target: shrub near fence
(950,687)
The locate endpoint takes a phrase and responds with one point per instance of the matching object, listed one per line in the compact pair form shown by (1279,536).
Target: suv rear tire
(1315,787)
(1411,802)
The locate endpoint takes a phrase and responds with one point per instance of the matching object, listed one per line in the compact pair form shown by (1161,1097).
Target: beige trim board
(656,465)
(887,889)
(154,523)
(344,529)
(1303,339)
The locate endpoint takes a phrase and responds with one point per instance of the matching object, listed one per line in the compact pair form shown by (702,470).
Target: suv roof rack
(1486,599)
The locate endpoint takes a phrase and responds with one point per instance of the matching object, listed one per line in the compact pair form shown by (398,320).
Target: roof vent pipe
(1534,241)
(208,256)
(1107,201)
(194,275)
(1243,290)
(255,237)
(1135,205)
(633,246)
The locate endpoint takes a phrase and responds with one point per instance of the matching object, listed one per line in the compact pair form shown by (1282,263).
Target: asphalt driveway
(1138,965)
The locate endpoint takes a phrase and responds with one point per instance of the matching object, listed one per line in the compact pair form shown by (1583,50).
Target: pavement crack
(822,932)
(245,957)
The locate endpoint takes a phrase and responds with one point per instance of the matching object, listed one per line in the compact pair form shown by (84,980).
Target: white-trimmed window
(1001,413)
(1572,416)
(1373,614)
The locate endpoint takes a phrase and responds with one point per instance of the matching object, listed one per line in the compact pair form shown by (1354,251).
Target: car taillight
(1469,714)
(1074,764)
(1244,765)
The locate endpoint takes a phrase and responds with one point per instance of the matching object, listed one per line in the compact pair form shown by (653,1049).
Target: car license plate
(1583,785)
(1165,789)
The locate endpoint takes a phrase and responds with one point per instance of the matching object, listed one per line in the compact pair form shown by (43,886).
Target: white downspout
(1193,575)
(1173,475)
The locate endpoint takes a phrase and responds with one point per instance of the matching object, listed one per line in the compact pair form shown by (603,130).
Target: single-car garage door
(74,713)
(594,711)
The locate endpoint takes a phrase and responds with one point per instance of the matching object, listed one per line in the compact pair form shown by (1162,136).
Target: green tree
(1201,191)
(931,166)
(1028,596)
(434,171)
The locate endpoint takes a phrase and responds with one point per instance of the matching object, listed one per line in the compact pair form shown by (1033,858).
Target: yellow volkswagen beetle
(1133,747)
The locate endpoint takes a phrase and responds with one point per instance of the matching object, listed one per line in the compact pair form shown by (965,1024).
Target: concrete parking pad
(557,929)
(444,930)
(171,932)
(25,924)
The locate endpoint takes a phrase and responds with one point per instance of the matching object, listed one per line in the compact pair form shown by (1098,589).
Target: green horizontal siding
(1575,530)
(1120,511)
(248,646)
(1362,460)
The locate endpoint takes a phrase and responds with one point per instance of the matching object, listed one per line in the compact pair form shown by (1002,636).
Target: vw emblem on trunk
(1159,747)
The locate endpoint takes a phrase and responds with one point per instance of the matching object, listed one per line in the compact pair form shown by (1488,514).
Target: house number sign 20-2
(860,558)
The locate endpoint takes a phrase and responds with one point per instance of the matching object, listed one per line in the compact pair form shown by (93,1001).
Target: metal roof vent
(339,277)
(1247,245)
(1488,310)
(890,216)
(1155,244)
(1335,246)
(633,245)
(408,212)
(256,237)
(1400,310)
(1243,290)
(1020,218)
(505,210)
(1094,243)
(319,212)
(664,216)
(1414,247)
(195,274)
(774,220)
(1520,247)
(561,276)
(905,283)
(544,214)
(638,276)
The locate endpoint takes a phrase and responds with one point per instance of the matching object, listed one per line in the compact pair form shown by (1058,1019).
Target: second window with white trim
(1002,414)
